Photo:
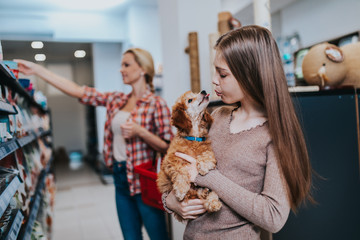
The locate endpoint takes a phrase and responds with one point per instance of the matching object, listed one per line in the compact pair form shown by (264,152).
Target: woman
(137,126)
(263,168)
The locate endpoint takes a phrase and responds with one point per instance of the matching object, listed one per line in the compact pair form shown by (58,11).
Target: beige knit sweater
(248,182)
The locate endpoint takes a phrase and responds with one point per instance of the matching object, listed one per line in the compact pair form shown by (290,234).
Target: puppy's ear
(207,120)
(179,118)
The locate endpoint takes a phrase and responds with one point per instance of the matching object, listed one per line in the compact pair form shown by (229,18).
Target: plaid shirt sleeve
(162,119)
(95,98)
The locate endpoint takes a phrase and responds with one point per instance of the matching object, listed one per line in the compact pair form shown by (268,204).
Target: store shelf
(8,79)
(7,147)
(33,214)
(21,224)
(26,140)
(7,108)
(15,226)
(7,195)
(27,229)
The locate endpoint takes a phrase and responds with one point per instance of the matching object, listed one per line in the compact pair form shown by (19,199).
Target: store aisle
(84,206)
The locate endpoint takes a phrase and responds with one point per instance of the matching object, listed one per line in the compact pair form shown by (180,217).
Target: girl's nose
(214,81)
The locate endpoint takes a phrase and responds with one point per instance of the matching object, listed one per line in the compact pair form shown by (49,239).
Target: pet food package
(6,176)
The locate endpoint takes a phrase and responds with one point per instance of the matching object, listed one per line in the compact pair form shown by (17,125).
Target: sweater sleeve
(268,209)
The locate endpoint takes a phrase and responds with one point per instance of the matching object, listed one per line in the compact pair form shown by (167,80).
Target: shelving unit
(7,148)
(14,229)
(24,196)
(336,41)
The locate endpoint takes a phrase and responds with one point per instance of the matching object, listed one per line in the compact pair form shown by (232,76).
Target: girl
(263,168)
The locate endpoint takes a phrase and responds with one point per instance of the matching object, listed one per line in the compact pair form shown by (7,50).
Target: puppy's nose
(203,92)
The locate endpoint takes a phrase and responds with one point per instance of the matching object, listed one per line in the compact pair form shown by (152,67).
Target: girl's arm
(268,209)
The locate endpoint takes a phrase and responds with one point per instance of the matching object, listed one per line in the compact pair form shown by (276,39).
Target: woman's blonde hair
(145,61)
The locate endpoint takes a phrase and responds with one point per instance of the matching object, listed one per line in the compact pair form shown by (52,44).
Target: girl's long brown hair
(253,57)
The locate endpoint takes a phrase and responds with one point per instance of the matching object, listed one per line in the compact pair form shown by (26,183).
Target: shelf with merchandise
(26,146)
(7,148)
(8,194)
(7,108)
(15,226)
(9,80)
(26,230)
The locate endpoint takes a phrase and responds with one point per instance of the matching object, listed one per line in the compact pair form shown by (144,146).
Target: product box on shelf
(13,66)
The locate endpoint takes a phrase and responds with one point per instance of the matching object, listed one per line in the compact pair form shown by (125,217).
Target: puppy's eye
(190,100)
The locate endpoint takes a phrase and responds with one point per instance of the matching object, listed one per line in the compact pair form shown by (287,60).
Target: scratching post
(193,52)
(224,22)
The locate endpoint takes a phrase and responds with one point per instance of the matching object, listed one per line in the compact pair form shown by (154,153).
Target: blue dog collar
(198,139)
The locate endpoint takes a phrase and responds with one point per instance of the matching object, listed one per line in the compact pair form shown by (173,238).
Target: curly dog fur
(190,117)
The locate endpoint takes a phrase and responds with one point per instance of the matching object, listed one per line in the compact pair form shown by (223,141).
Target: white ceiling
(64,51)
(57,51)
(72,5)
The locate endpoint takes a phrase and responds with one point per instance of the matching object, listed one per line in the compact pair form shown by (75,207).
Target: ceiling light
(37,45)
(40,57)
(79,53)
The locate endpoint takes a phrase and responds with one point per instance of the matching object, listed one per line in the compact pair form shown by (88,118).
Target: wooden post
(193,52)
(224,22)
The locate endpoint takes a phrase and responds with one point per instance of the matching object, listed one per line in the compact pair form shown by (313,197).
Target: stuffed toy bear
(328,65)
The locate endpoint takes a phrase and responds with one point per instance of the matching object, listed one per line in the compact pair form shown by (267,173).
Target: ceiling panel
(54,51)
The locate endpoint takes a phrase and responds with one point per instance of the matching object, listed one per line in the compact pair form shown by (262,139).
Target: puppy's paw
(180,195)
(212,203)
(213,206)
(181,190)
(205,167)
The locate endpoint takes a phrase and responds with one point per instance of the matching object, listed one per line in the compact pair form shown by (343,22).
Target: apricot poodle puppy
(190,117)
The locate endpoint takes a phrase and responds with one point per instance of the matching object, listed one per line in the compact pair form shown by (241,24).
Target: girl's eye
(222,76)
(190,100)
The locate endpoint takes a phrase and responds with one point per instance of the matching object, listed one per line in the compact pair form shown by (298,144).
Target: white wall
(177,19)
(321,20)
(144,30)
(315,21)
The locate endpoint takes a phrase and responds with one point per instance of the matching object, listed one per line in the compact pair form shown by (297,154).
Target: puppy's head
(189,109)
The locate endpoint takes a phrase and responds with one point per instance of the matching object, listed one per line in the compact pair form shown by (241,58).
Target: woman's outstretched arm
(65,85)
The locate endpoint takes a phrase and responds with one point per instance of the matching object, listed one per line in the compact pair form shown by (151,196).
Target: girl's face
(226,86)
(130,69)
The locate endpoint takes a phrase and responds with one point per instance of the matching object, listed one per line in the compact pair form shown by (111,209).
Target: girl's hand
(190,209)
(192,168)
(130,129)
(26,67)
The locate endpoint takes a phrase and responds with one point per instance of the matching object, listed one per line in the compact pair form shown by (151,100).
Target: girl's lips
(218,93)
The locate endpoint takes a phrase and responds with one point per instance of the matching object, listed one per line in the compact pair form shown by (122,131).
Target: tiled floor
(84,206)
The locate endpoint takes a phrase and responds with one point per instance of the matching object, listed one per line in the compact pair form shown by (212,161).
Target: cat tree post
(193,52)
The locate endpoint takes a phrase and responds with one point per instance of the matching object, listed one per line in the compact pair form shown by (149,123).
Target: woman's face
(130,69)
(226,86)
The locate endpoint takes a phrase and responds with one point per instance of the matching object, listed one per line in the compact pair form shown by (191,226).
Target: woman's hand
(192,168)
(26,67)
(189,209)
(130,129)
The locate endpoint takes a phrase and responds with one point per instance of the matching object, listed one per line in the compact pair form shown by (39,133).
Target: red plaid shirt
(151,112)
